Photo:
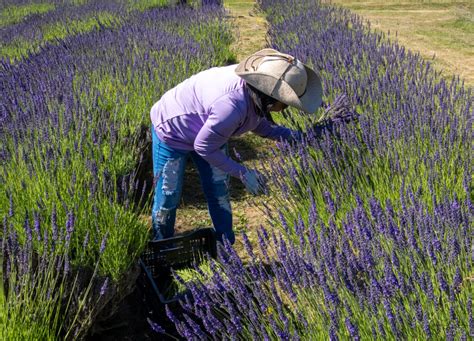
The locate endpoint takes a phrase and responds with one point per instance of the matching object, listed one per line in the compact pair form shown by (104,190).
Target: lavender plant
(382,275)
(372,237)
(39,286)
(70,123)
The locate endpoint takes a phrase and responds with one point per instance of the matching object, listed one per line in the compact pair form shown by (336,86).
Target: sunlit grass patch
(440,29)
(465,24)
(15,13)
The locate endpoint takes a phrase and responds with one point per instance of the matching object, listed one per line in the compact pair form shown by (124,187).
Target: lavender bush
(372,228)
(71,118)
(41,297)
(380,275)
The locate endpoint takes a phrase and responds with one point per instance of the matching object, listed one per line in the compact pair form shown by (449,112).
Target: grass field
(440,28)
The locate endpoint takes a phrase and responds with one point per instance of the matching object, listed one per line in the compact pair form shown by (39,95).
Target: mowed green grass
(443,29)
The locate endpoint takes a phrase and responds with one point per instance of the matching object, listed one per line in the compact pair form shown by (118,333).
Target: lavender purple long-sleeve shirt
(204,111)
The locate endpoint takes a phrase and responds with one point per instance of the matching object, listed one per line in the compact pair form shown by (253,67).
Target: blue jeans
(168,171)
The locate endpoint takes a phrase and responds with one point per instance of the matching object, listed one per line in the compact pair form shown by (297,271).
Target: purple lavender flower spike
(195,327)
(11,209)
(103,244)
(86,241)
(170,315)
(450,333)
(69,227)
(155,326)
(391,318)
(67,265)
(333,333)
(37,226)
(352,329)
(27,228)
(426,326)
(104,287)
(54,227)
(442,282)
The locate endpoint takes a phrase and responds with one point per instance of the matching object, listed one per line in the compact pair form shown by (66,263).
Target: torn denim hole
(170,176)
(224,203)
(219,175)
(162,215)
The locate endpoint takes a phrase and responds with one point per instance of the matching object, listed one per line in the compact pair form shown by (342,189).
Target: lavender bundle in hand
(340,111)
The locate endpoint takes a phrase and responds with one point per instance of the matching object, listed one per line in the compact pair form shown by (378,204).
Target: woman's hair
(263,102)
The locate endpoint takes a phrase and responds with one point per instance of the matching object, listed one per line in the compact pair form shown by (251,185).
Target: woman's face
(278,106)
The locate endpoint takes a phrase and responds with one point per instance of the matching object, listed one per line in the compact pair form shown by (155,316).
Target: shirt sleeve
(274,132)
(224,119)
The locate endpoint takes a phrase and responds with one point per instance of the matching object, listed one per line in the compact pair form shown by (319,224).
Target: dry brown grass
(444,29)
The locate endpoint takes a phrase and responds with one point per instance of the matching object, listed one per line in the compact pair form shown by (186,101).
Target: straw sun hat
(284,78)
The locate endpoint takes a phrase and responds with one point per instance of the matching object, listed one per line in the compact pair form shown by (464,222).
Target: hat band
(281,78)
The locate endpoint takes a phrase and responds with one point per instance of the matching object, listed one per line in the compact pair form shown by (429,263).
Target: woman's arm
(223,121)
(275,132)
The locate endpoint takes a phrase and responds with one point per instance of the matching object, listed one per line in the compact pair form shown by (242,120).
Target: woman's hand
(254,181)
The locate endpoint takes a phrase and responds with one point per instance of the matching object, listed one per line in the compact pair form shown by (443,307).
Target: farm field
(365,232)
(443,29)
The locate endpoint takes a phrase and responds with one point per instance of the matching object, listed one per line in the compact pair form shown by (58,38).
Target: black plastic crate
(175,253)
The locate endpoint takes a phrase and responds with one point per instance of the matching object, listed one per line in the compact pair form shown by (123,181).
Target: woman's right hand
(254,181)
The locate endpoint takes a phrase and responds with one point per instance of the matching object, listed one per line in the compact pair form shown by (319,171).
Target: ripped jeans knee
(171,175)
(168,170)
(219,175)
(166,200)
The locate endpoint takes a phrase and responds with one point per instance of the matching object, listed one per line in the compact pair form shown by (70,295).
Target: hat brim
(309,102)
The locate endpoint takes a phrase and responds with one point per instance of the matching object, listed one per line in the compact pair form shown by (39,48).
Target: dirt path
(250,32)
(250,27)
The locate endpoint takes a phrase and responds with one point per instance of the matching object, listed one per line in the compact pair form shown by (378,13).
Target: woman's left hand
(254,181)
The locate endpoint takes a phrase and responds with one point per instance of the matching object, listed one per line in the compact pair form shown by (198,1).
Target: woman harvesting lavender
(198,117)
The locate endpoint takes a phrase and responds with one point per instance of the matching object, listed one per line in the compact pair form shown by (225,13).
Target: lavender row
(72,118)
(414,127)
(70,124)
(373,233)
(381,274)
(33,26)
